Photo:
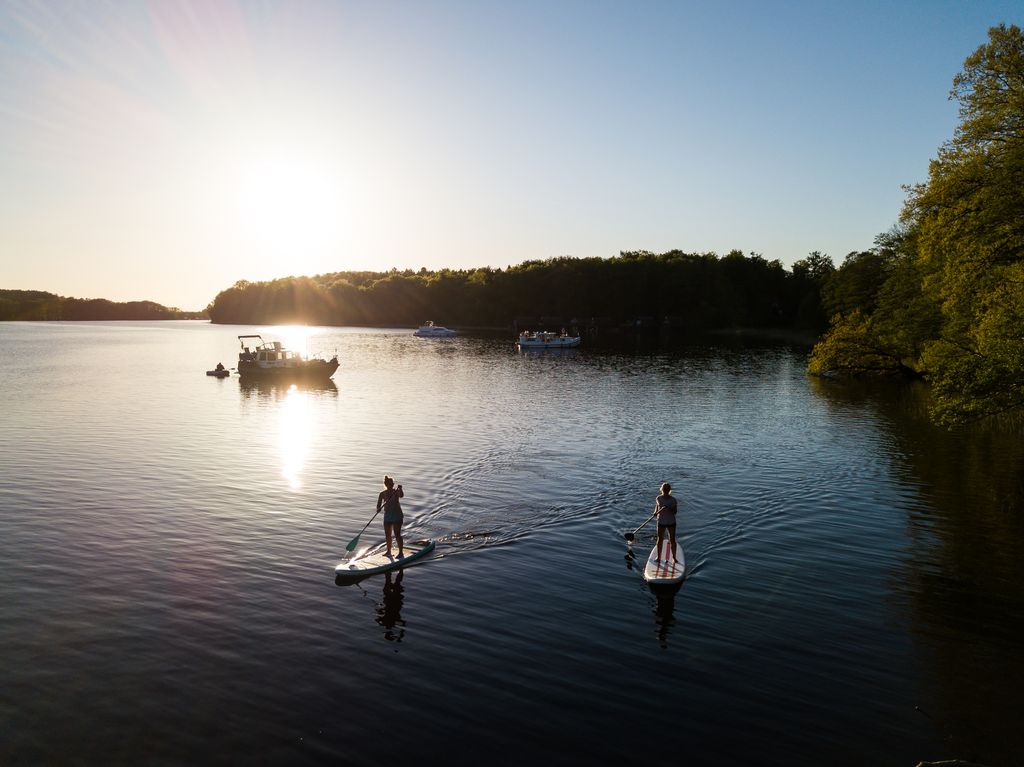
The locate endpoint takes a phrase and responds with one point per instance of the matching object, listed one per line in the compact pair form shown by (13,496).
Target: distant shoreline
(42,306)
(797,337)
(800,337)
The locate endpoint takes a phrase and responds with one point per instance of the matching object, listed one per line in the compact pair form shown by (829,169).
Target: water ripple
(169,542)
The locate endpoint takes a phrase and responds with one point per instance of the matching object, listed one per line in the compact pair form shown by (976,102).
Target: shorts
(393,518)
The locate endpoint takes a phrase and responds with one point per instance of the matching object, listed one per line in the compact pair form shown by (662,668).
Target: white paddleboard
(664,570)
(381,563)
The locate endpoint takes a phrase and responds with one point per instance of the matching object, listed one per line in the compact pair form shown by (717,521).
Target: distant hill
(38,305)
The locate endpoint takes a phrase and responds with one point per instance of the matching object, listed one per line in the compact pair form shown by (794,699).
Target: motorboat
(429,330)
(219,372)
(545,339)
(269,360)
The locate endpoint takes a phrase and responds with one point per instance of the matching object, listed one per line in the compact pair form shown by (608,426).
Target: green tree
(970,222)
(855,344)
(809,277)
(855,284)
(950,297)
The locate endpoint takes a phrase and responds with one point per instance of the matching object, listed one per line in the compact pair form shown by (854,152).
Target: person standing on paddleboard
(388,498)
(665,507)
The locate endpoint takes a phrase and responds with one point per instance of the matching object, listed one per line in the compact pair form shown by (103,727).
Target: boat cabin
(266,351)
(273,352)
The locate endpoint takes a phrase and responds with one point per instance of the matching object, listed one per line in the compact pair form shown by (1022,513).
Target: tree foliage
(693,290)
(946,291)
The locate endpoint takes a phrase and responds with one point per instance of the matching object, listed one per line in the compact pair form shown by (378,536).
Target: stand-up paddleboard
(664,570)
(381,563)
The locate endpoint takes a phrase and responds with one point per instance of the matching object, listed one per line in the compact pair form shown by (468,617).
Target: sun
(289,211)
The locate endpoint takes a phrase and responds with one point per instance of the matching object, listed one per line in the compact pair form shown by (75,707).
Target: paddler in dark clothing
(388,499)
(665,508)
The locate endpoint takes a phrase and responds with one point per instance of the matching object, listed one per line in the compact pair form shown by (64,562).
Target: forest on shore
(695,291)
(37,305)
(941,296)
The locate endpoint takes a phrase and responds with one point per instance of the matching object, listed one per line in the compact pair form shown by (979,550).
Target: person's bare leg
(387,533)
(398,537)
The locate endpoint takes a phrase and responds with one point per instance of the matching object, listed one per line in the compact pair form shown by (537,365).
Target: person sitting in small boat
(220,367)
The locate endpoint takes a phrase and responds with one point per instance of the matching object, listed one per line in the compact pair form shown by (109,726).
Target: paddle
(355,541)
(632,536)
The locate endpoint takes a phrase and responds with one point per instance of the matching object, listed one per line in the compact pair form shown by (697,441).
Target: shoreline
(800,337)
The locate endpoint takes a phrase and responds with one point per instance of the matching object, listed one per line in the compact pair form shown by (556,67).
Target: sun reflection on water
(296,435)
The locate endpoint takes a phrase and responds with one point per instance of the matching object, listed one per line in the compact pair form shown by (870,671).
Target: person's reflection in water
(664,618)
(389,611)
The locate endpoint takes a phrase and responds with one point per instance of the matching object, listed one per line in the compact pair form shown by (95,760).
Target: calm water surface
(168,544)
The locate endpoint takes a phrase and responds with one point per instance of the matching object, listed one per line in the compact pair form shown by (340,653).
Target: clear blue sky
(164,150)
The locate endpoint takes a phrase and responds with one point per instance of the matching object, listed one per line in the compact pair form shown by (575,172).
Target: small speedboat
(543,339)
(429,330)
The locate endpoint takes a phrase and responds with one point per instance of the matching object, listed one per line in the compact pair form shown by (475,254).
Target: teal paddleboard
(381,563)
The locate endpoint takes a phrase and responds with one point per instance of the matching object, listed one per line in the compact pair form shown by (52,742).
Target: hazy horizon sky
(165,150)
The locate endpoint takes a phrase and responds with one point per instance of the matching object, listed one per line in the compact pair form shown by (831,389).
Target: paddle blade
(629,537)
(352,544)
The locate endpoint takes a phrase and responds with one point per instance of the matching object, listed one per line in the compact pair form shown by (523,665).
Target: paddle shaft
(352,544)
(630,536)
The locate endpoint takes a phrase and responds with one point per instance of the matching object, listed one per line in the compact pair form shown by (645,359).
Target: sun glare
(293,337)
(289,210)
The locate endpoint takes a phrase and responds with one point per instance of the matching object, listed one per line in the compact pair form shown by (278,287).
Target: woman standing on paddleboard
(665,507)
(388,498)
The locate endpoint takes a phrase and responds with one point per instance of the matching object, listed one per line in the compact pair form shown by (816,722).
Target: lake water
(168,540)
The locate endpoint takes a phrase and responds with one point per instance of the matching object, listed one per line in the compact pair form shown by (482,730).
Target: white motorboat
(545,339)
(429,330)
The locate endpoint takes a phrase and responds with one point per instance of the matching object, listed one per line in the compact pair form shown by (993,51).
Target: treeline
(942,294)
(38,305)
(698,291)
